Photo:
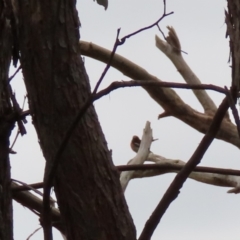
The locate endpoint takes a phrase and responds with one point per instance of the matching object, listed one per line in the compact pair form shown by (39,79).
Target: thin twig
(24,101)
(174,189)
(150,26)
(30,187)
(10,78)
(18,188)
(14,141)
(17,111)
(33,233)
(116,44)
(136,83)
(18,131)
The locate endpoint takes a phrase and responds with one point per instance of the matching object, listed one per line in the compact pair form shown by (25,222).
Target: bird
(135,143)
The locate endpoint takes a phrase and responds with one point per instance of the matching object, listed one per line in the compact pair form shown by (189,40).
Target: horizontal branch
(136,83)
(213,176)
(21,195)
(35,204)
(160,167)
(27,187)
(167,98)
(168,167)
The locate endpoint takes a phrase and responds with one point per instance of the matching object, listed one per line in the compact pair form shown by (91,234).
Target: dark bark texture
(87,185)
(6,123)
(233,31)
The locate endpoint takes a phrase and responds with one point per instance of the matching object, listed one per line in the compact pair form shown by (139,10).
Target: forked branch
(166,98)
(141,156)
(172,49)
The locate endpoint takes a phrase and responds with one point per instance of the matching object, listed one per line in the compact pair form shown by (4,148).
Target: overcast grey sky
(201,211)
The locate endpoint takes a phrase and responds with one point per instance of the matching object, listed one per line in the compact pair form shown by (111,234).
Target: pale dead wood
(168,165)
(220,180)
(141,156)
(167,98)
(172,49)
(35,204)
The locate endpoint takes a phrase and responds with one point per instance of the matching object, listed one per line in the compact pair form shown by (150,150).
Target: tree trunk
(87,185)
(6,124)
(233,31)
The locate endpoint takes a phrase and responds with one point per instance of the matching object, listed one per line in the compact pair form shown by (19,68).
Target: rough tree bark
(87,185)
(233,31)
(6,124)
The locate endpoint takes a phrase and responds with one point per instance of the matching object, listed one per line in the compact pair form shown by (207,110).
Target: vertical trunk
(233,31)
(86,184)
(6,125)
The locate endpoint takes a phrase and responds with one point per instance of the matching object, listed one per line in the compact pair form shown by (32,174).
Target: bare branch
(116,44)
(19,188)
(162,166)
(172,49)
(151,25)
(174,189)
(29,187)
(15,73)
(136,83)
(213,176)
(167,98)
(36,230)
(34,204)
(141,155)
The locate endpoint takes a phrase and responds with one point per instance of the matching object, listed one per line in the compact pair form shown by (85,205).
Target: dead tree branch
(174,189)
(141,156)
(165,14)
(172,49)
(35,204)
(167,98)
(208,175)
